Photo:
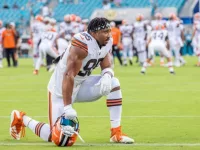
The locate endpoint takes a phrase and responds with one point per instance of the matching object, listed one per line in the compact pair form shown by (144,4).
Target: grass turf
(160,111)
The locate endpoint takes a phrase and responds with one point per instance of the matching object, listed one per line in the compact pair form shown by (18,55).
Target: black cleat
(172,72)
(142,72)
(130,62)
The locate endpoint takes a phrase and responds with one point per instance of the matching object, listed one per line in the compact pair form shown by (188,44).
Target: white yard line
(106,144)
(122,116)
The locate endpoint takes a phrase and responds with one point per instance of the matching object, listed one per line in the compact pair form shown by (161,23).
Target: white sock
(114,103)
(171,69)
(144,66)
(115,116)
(40,129)
(162,59)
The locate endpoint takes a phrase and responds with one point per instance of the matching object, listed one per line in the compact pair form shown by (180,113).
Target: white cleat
(118,137)
(17,128)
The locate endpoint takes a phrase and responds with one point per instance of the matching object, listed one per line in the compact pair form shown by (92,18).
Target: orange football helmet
(58,135)
(158,16)
(39,18)
(139,17)
(67,18)
(78,19)
(172,16)
(73,17)
(197,16)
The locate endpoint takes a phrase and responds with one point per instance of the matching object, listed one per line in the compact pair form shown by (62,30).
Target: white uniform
(126,31)
(77,27)
(37,29)
(46,47)
(63,43)
(158,43)
(174,31)
(139,40)
(84,85)
(1,48)
(196,39)
(173,39)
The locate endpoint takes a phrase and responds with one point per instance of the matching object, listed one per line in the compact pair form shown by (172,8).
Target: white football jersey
(126,30)
(77,27)
(93,59)
(172,29)
(48,37)
(139,30)
(159,36)
(67,29)
(37,29)
(1,31)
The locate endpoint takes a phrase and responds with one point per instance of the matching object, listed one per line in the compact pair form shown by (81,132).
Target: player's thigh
(151,49)
(52,53)
(56,108)
(164,52)
(88,91)
(142,56)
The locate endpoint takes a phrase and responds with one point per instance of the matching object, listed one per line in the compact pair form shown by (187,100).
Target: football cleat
(17,127)
(142,72)
(118,137)
(172,72)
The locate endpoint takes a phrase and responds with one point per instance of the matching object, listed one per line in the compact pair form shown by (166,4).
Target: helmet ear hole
(58,136)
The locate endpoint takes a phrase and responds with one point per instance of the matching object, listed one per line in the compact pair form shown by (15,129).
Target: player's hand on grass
(70,113)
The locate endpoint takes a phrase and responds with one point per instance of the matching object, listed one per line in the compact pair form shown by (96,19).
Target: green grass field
(160,111)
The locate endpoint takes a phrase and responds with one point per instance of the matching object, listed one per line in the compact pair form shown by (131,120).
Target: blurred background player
(127,38)
(17,42)
(37,28)
(175,45)
(116,34)
(1,47)
(159,21)
(9,44)
(140,36)
(46,46)
(65,34)
(196,37)
(159,42)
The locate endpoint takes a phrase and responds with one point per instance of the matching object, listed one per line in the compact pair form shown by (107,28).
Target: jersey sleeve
(79,40)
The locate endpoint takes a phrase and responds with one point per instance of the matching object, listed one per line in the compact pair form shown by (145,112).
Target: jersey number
(158,35)
(48,36)
(91,64)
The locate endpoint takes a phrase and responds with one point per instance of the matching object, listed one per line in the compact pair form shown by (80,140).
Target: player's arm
(74,62)
(107,73)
